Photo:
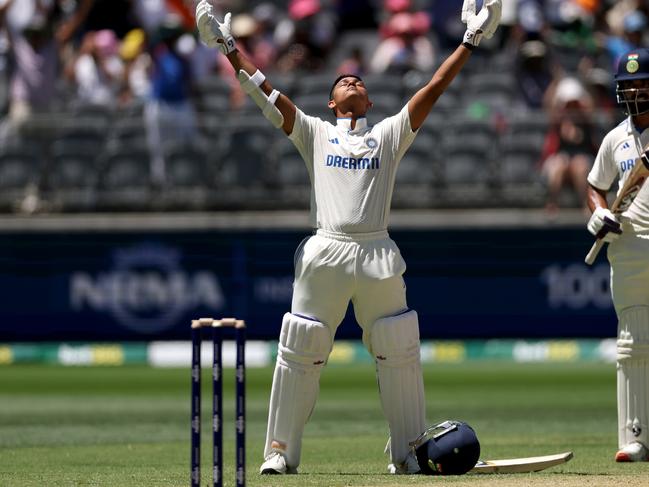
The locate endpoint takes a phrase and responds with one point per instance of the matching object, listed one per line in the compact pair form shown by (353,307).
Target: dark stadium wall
(137,286)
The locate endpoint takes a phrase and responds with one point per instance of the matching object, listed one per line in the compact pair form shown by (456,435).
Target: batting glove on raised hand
(483,24)
(604,225)
(212,32)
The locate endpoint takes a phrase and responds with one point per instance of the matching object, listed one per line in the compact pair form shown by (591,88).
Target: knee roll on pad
(395,340)
(395,346)
(251,85)
(633,336)
(632,373)
(303,342)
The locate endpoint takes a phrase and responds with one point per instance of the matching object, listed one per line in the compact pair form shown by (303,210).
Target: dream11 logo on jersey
(146,290)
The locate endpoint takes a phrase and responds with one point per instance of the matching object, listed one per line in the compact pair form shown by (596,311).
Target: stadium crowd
(115,104)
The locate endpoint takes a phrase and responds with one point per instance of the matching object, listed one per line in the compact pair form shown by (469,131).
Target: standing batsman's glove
(604,225)
(483,24)
(212,32)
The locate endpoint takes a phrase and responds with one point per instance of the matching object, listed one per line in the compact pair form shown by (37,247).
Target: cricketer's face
(350,94)
(635,90)
(635,95)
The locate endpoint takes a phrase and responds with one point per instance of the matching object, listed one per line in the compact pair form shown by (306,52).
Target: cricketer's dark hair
(348,75)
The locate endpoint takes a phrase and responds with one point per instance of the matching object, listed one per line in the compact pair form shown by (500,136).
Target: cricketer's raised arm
(276,107)
(482,24)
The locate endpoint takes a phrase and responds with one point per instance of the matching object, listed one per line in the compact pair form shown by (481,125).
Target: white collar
(346,124)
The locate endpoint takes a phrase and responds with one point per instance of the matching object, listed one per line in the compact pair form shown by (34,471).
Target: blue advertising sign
(140,285)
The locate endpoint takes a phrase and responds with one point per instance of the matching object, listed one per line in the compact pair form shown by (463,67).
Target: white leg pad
(304,346)
(395,346)
(633,376)
(251,85)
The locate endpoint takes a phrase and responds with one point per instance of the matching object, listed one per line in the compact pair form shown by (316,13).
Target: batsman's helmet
(448,448)
(631,95)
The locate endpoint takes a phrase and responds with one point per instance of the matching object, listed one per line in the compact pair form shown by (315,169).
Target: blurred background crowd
(114,105)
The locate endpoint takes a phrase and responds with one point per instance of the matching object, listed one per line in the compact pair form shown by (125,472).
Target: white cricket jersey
(352,172)
(615,158)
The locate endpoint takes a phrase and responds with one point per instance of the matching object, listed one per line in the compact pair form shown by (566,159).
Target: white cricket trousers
(332,268)
(629,259)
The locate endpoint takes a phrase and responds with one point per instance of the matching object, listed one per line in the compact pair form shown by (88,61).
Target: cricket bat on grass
(521,465)
(625,197)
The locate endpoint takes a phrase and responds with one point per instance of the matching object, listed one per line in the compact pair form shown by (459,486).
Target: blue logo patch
(334,140)
(371,143)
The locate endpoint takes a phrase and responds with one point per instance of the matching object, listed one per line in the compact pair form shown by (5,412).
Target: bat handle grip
(594,250)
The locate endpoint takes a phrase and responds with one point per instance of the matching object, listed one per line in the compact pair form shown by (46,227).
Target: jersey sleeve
(397,132)
(303,135)
(604,170)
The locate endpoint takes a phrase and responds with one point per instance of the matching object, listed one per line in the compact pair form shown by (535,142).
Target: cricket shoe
(409,466)
(275,464)
(633,452)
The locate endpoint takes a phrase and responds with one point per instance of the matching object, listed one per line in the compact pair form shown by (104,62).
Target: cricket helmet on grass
(448,448)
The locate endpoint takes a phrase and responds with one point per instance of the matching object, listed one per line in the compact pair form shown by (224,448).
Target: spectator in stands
(507,23)
(184,9)
(97,70)
(617,12)
(570,144)
(390,8)
(307,37)
(571,33)
(533,72)
(599,82)
(353,64)
(247,29)
(72,23)
(150,14)
(267,16)
(169,112)
(634,27)
(30,32)
(136,81)
(531,23)
(406,47)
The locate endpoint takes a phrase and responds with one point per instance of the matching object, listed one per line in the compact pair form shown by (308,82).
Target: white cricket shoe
(633,452)
(409,466)
(275,464)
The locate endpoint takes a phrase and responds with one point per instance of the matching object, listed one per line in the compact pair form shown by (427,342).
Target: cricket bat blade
(521,465)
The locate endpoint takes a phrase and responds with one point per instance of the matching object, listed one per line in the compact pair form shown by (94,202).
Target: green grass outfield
(129,426)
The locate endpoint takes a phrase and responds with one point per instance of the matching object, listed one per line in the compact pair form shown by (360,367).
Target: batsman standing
(628,252)
(352,167)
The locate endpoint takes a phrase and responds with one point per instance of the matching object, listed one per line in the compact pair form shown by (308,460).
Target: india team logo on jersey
(632,64)
(371,143)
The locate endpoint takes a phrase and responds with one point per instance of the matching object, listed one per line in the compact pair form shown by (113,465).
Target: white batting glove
(604,225)
(212,32)
(483,24)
